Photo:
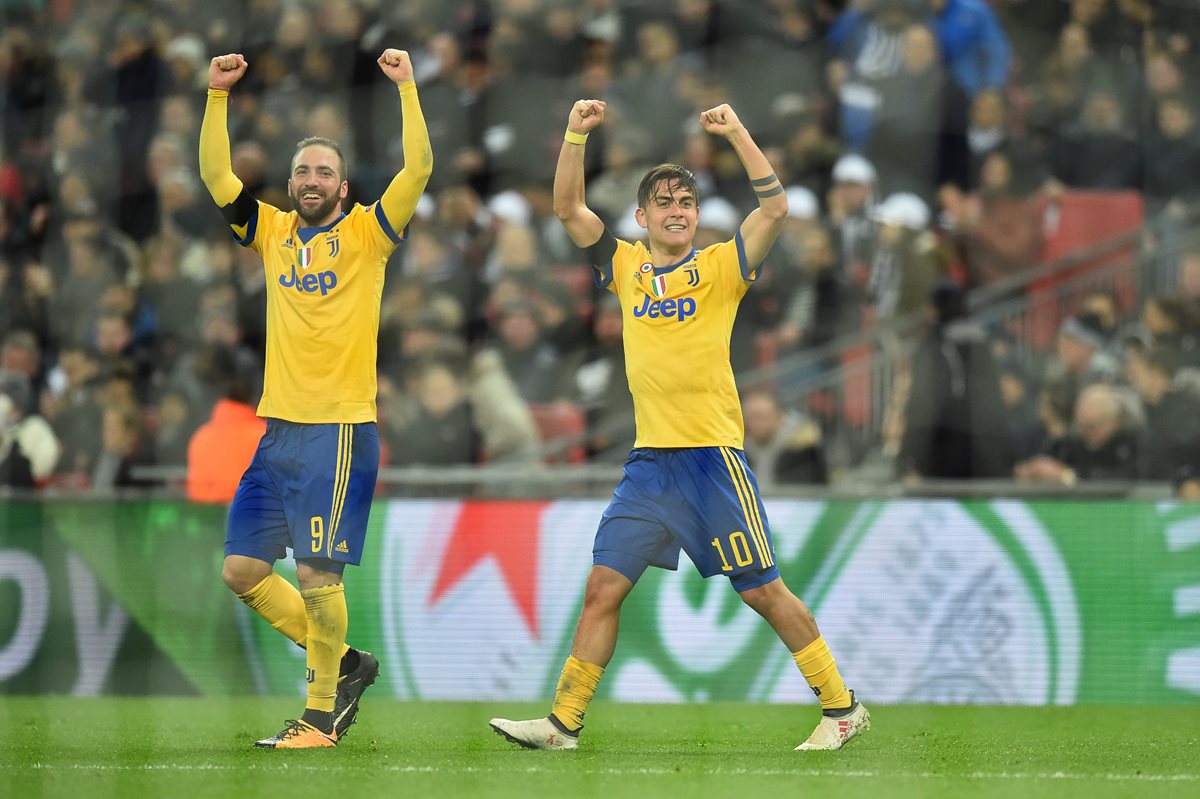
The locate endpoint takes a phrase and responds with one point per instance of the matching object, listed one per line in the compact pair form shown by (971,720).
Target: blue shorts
(703,500)
(309,487)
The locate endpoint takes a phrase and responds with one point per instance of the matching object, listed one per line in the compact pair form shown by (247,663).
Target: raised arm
(762,225)
(570,206)
(399,200)
(216,169)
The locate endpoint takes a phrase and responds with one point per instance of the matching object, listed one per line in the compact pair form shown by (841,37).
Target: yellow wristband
(575,138)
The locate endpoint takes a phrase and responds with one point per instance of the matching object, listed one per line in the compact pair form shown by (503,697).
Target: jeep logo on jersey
(681,309)
(313,282)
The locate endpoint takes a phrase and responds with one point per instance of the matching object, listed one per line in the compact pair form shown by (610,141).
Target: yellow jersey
(677,323)
(324,289)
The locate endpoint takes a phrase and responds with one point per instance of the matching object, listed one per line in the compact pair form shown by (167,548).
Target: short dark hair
(324,142)
(676,176)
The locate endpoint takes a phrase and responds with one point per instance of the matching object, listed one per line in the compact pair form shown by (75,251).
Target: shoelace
(294,729)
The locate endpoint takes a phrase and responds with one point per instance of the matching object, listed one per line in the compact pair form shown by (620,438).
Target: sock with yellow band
(820,671)
(576,686)
(327,622)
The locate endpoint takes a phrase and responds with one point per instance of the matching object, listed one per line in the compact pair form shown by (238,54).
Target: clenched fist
(720,121)
(586,115)
(396,65)
(226,70)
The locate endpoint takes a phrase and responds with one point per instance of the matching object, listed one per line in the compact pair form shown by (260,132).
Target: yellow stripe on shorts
(749,503)
(341,480)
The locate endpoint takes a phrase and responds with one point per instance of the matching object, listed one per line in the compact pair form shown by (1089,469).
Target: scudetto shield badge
(658,287)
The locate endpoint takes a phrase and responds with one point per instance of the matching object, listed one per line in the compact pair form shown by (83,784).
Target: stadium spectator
(624,166)
(906,261)
(506,426)
(954,425)
(1025,431)
(221,449)
(1082,355)
(165,293)
(29,449)
(439,430)
(915,130)
(1102,444)
(26,287)
(172,426)
(136,85)
(1189,277)
(867,44)
(782,447)
(985,132)
(539,374)
(1172,157)
(851,204)
(21,356)
(973,44)
(999,228)
(1172,407)
(651,80)
(121,449)
(1098,152)
(822,306)
(73,407)
(88,272)
(603,386)
(1170,320)
(1054,408)
(1065,77)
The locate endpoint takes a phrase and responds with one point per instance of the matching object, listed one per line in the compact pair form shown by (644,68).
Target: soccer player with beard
(310,484)
(686,484)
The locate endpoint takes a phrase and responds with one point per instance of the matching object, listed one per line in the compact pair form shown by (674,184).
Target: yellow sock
(280,603)
(820,670)
(576,685)
(326,611)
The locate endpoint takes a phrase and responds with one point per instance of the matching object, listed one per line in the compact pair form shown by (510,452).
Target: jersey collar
(662,270)
(306,233)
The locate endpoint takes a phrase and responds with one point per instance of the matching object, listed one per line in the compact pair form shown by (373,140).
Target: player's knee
(606,592)
(240,577)
(764,598)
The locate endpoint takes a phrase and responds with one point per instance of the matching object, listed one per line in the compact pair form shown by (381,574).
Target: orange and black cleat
(298,735)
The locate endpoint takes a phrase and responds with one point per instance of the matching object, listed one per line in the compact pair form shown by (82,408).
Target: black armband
(240,211)
(602,251)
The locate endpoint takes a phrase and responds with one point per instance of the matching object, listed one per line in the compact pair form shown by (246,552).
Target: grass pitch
(193,748)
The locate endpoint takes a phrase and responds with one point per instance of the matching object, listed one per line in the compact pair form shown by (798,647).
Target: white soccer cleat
(833,732)
(536,734)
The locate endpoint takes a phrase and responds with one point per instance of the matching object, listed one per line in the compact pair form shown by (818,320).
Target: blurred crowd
(922,143)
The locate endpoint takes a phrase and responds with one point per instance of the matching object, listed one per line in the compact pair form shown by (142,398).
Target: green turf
(97,748)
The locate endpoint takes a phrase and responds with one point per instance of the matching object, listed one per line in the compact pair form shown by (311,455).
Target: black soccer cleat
(350,690)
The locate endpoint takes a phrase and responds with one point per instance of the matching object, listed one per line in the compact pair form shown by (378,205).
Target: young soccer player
(686,484)
(310,484)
